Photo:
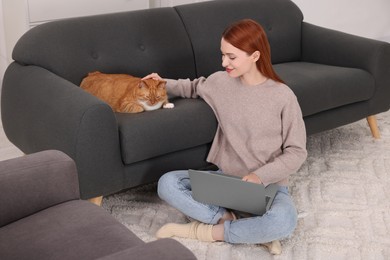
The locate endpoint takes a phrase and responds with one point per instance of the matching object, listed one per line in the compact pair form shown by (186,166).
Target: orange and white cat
(125,93)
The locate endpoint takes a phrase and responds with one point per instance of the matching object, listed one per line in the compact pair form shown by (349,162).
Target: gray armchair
(42,217)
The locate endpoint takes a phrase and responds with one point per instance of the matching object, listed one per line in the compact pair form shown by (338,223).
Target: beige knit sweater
(260,128)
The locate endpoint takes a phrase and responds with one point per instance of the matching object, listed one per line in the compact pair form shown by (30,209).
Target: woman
(261,137)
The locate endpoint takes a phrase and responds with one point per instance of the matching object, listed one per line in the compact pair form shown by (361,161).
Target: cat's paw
(169,105)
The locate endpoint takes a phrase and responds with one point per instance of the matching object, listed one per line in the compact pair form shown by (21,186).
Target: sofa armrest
(327,46)
(41,111)
(35,182)
(162,249)
(331,47)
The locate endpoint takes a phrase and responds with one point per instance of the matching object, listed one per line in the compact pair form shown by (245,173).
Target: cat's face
(152,94)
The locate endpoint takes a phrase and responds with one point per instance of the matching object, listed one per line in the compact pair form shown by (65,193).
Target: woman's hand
(251,177)
(154,76)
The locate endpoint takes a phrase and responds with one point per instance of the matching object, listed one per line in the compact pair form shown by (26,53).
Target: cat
(125,93)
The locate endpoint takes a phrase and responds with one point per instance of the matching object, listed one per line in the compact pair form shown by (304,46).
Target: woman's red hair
(249,36)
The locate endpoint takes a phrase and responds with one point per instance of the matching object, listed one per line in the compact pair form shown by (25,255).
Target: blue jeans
(277,223)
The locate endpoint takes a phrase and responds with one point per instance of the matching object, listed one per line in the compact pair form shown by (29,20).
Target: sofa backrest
(135,42)
(205,22)
(178,42)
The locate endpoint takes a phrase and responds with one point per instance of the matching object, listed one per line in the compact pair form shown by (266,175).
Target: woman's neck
(253,79)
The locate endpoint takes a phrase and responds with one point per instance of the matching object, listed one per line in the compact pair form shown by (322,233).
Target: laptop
(231,192)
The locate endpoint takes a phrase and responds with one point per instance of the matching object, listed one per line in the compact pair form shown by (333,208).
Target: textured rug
(341,192)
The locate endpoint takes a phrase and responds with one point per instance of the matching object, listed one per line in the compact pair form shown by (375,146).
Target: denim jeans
(277,223)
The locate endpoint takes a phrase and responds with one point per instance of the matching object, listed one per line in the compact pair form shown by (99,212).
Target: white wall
(162,3)
(367,18)
(3,48)
(13,21)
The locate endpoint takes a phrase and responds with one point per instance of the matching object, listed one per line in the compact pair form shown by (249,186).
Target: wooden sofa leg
(373,126)
(97,200)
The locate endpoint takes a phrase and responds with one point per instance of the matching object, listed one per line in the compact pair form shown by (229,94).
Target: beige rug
(342,194)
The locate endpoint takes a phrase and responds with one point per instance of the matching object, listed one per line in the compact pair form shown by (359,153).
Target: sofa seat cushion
(150,134)
(86,229)
(323,87)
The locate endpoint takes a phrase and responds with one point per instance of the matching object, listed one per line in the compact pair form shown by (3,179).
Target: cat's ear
(142,84)
(162,84)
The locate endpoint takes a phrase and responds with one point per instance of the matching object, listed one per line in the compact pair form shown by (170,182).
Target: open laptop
(231,192)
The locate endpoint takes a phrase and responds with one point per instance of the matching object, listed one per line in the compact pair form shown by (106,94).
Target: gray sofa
(42,217)
(338,79)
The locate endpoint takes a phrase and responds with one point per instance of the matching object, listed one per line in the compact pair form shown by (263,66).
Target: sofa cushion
(146,135)
(205,22)
(72,230)
(323,87)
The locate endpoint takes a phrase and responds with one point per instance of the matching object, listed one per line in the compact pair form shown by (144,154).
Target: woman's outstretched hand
(251,177)
(153,75)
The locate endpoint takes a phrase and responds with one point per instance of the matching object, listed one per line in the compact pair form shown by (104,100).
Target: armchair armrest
(42,111)
(161,249)
(35,182)
(326,46)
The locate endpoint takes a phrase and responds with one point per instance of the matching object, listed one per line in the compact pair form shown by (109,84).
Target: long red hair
(249,36)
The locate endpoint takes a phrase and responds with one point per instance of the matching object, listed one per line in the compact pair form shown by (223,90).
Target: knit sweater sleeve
(293,148)
(185,87)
